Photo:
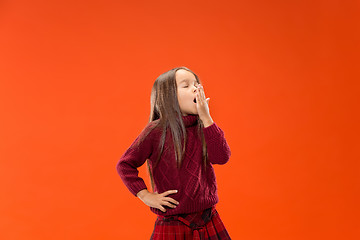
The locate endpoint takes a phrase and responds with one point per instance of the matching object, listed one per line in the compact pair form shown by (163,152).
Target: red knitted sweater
(197,189)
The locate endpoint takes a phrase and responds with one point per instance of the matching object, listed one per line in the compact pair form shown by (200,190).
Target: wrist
(207,122)
(142,193)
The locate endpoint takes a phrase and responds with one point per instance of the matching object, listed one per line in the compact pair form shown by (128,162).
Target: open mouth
(194,100)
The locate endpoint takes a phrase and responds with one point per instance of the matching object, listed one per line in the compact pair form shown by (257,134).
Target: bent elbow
(220,161)
(225,160)
(226,157)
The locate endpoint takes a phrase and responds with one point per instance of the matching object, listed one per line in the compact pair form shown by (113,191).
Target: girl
(181,142)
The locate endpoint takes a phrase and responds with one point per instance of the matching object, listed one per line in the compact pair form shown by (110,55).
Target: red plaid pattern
(201,225)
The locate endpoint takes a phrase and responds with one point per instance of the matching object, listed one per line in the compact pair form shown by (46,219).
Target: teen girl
(181,142)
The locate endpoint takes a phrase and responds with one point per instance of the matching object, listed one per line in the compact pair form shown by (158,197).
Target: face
(186,90)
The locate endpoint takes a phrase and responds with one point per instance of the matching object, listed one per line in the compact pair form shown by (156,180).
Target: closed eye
(187,86)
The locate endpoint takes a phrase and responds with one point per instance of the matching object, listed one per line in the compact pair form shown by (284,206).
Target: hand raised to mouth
(203,106)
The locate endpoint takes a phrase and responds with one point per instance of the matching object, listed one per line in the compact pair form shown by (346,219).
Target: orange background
(75,90)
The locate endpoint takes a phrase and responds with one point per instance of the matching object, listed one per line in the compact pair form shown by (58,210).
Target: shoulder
(151,130)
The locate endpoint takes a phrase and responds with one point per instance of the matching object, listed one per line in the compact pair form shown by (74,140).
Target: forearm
(217,148)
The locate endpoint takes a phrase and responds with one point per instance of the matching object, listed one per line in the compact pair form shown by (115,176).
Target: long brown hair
(165,113)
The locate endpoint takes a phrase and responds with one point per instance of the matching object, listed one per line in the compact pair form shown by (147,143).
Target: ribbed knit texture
(197,190)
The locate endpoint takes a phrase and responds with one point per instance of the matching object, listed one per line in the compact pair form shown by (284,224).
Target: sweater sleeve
(134,157)
(218,150)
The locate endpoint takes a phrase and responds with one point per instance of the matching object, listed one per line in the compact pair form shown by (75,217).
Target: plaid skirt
(206,224)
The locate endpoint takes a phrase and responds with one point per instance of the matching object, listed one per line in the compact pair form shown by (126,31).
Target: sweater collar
(190,120)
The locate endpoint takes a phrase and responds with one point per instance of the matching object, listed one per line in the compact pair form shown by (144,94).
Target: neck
(190,120)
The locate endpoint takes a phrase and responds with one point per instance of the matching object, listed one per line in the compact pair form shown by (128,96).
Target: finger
(169,204)
(199,99)
(199,90)
(202,93)
(169,192)
(171,200)
(162,208)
